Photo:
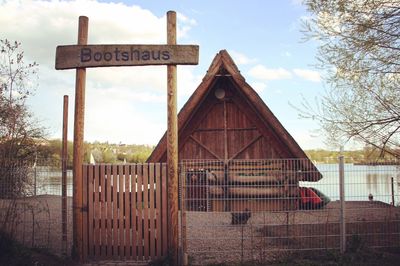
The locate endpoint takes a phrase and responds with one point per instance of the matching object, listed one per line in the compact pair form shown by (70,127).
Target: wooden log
(80,84)
(64,160)
(172,145)
(256,178)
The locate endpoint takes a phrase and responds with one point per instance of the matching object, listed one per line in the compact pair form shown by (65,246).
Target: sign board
(82,56)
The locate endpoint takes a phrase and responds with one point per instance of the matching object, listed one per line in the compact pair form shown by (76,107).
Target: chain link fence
(249,210)
(262,210)
(31,205)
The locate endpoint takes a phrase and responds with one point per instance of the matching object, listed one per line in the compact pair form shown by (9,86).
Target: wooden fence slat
(97,234)
(84,212)
(115,210)
(103,211)
(158,211)
(151,211)
(164,209)
(109,211)
(127,213)
(139,208)
(133,211)
(121,242)
(91,183)
(146,211)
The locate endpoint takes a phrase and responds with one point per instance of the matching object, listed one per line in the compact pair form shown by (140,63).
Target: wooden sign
(82,56)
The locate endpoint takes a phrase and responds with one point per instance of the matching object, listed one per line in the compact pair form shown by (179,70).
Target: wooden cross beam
(82,56)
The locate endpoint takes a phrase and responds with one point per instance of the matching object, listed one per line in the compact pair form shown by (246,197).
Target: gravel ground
(211,238)
(38,222)
(270,236)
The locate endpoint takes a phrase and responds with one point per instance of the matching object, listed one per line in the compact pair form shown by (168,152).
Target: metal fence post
(183,256)
(392,189)
(342,205)
(34,179)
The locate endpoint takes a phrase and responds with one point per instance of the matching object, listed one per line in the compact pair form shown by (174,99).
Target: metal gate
(126,215)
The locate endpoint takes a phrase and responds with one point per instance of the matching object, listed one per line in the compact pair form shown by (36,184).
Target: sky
(128,104)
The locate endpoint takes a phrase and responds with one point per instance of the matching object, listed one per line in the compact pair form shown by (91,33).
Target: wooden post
(64,160)
(82,56)
(80,84)
(172,146)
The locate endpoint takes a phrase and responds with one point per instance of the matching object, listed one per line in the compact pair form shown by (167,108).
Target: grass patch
(12,253)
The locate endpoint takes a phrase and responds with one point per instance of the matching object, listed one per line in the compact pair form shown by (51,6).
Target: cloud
(241,59)
(259,87)
(263,73)
(307,74)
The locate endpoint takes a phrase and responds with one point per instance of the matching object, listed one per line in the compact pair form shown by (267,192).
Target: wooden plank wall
(125,212)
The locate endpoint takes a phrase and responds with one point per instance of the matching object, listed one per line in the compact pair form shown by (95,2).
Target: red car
(311,198)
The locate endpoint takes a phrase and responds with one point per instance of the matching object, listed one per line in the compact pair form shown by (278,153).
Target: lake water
(48,181)
(360,181)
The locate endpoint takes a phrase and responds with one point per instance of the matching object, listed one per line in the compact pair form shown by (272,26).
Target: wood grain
(114,204)
(121,189)
(172,145)
(80,84)
(127,212)
(90,205)
(77,56)
(64,160)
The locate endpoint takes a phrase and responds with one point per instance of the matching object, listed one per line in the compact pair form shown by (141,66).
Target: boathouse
(234,152)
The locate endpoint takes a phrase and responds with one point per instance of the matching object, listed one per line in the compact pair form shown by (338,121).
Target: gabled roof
(223,65)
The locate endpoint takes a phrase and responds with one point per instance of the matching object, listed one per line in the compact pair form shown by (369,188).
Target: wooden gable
(226,120)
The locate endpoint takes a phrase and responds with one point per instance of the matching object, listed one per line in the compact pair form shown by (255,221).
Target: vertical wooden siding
(125,212)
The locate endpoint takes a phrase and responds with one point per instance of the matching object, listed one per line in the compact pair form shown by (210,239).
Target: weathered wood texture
(172,146)
(64,160)
(225,120)
(73,56)
(229,129)
(127,212)
(79,119)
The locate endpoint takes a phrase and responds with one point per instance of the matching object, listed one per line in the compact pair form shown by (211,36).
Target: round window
(220,93)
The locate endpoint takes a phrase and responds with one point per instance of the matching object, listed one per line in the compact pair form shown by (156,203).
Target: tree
(19,132)
(359,52)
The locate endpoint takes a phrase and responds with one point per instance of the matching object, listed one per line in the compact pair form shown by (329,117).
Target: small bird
(241,217)
(370,197)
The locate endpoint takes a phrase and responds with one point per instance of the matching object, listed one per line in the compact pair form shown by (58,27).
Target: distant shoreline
(377,163)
